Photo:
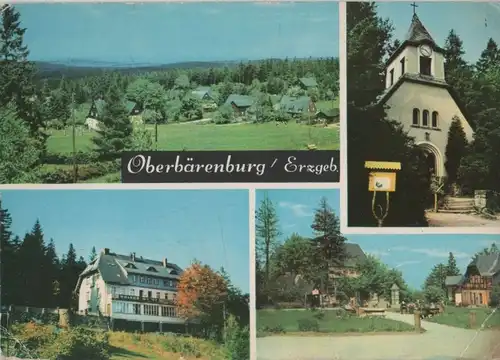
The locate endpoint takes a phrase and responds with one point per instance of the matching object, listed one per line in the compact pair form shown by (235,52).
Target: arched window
(425,118)
(434,119)
(416,117)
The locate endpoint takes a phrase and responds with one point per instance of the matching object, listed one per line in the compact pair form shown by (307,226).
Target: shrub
(76,344)
(85,172)
(308,325)
(237,340)
(81,157)
(319,315)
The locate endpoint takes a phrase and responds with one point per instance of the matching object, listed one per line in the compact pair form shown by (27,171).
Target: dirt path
(439,342)
(459,220)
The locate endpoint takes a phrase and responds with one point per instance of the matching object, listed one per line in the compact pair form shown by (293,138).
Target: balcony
(143,299)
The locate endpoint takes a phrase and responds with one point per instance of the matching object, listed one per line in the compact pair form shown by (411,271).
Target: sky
(161,33)
(211,226)
(474,22)
(414,255)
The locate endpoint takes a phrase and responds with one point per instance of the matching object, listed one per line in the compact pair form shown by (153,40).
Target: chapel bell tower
(418,57)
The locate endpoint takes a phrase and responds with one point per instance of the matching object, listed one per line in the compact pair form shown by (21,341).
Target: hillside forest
(371,135)
(66,124)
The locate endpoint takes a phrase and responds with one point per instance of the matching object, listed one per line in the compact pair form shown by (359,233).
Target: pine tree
(490,57)
(93,254)
(456,149)
(266,232)
(115,128)
(329,241)
(8,252)
(17,73)
(53,271)
(452,268)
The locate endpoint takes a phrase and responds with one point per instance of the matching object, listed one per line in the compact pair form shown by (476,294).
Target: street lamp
(382,180)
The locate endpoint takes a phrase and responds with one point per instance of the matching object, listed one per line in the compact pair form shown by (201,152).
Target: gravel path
(439,342)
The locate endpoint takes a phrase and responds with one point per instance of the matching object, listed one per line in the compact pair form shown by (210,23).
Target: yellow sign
(382,165)
(382,181)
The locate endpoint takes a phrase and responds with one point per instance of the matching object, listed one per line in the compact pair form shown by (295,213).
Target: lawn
(330,321)
(459,317)
(126,346)
(328,104)
(220,137)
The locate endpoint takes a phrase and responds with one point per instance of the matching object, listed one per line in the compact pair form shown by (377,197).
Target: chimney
(132,256)
(105,251)
(165,262)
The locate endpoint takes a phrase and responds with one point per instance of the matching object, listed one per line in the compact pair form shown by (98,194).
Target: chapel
(418,97)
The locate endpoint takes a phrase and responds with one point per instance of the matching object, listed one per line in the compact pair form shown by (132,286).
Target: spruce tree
(8,253)
(490,57)
(115,128)
(267,233)
(452,268)
(456,149)
(17,74)
(93,254)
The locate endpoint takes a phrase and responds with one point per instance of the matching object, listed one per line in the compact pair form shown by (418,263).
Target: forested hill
(84,68)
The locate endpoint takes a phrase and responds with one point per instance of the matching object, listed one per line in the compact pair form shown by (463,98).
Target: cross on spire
(415,6)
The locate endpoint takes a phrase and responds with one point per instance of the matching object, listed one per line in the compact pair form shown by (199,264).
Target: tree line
(372,135)
(296,255)
(31,272)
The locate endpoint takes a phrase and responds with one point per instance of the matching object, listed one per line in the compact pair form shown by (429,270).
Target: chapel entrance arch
(433,158)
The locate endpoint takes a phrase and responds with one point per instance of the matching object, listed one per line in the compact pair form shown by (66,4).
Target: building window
(88,296)
(402,61)
(167,311)
(391,74)
(151,310)
(141,294)
(425,118)
(166,296)
(434,119)
(425,66)
(170,283)
(150,280)
(134,278)
(150,294)
(132,292)
(416,117)
(158,295)
(113,291)
(156,282)
(481,298)
(142,279)
(137,309)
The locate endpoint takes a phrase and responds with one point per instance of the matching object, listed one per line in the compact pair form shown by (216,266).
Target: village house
(240,103)
(204,93)
(328,116)
(128,287)
(96,110)
(307,83)
(475,286)
(297,106)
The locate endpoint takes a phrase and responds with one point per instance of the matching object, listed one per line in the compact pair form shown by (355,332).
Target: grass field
(289,321)
(126,346)
(220,137)
(459,317)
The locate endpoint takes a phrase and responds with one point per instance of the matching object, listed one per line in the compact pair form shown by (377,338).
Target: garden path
(439,342)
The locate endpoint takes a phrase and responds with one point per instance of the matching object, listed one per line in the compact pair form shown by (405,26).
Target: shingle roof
(453,280)
(100,104)
(113,268)
(331,113)
(354,255)
(308,82)
(201,91)
(240,100)
(417,31)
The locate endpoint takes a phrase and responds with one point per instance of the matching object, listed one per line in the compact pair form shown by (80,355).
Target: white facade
(421,101)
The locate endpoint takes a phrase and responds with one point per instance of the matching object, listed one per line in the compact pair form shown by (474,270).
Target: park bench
(371,311)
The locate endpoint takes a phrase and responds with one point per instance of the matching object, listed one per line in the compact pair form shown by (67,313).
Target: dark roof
(100,104)
(114,268)
(330,113)
(487,265)
(201,91)
(354,255)
(240,100)
(295,105)
(426,80)
(453,280)
(417,35)
(308,82)
(292,280)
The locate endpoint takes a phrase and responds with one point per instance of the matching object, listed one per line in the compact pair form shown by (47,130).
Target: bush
(237,340)
(308,325)
(77,344)
(81,157)
(85,172)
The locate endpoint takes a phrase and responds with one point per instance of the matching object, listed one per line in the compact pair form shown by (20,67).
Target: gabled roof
(330,113)
(453,280)
(201,91)
(240,100)
(308,82)
(487,265)
(100,104)
(354,255)
(426,80)
(113,268)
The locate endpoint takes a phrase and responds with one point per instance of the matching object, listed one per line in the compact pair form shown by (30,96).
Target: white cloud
(433,252)
(299,210)
(409,262)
